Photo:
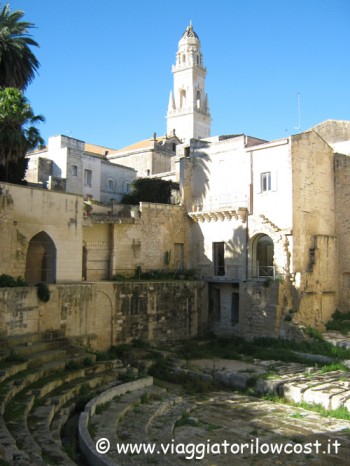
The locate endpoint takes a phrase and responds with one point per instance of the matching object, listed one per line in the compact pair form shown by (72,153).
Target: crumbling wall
(108,313)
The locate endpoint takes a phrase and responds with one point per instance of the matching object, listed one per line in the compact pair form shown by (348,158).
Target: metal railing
(220,202)
(262,272)
(240,273)
(140,274)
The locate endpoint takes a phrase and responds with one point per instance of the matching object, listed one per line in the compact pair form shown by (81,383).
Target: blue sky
(105,72)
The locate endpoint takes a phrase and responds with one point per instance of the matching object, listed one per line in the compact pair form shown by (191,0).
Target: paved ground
(256,426)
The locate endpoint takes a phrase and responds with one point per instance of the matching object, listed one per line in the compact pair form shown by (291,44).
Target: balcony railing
(225,201)
(239,273)
(262,272)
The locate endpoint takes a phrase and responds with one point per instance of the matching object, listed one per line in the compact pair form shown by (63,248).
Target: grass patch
(336,366)
(262,348)
(102,407)
(211,427)
(186,420)
(73,365)
(297,416)
(190,384)
(339,413)
(114,352)
(14,358)
(339,322)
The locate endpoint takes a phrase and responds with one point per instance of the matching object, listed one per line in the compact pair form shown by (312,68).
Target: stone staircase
(43,380)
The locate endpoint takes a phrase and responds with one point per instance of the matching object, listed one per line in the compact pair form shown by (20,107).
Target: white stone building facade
(73,166)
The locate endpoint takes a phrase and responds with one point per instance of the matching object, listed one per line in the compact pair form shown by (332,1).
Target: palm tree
(17,133)
(18,63)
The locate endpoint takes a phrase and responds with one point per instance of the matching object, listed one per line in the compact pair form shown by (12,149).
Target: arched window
(127,187)
(183,98)
(262,256)
(41,260)
(183,58)
(198,99)
(110,185)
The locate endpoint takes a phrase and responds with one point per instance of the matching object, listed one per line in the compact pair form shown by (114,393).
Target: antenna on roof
(299,118)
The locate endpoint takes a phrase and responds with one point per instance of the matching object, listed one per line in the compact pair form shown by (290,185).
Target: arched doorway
(41,260)
(262,257)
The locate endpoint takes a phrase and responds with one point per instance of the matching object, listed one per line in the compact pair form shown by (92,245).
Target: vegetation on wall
(340,322)
(7,281)
(43,292)
(151,190)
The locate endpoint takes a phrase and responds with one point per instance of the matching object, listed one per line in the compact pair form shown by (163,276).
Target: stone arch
(41,259)
(262,256)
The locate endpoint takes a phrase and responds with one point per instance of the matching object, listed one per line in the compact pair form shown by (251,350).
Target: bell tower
(188,109)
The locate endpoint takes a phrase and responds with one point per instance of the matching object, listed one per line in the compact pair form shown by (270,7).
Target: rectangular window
(219,258)
(74,170)
(265,180)
(87,177)
(110,185)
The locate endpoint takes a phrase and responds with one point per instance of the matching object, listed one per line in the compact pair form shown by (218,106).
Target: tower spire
(188,111)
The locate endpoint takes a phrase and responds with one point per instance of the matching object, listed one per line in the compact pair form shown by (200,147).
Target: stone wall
(108,313)
(119,176)
(342,202)
(25,212)
(314,255)
(120,245)
(260,313)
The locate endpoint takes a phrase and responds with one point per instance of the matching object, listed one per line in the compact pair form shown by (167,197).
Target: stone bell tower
(188,109)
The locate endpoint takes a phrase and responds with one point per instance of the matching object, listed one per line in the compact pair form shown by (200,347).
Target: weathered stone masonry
(108,313)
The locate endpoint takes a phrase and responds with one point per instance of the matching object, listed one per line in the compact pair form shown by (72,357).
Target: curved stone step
(16,422)
(162,428)
(11,369)
(20,399)
(26,350)
(134,427)
(20,380)
(41,417)
(86,443)
(8,447)
(106,419)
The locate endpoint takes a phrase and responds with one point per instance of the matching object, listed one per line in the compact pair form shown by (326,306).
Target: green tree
(151,190)
(17,134)
(18,63)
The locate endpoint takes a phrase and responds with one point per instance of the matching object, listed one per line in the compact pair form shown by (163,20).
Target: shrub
(340,322)
(314,333)
(11,282)
(43,292)
(150,190)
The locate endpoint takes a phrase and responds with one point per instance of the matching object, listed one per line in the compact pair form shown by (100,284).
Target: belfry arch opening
(262,253)
(41,260)
(183,98)
(198,99)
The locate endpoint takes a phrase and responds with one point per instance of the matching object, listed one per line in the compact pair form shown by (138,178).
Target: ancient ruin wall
(108,313)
